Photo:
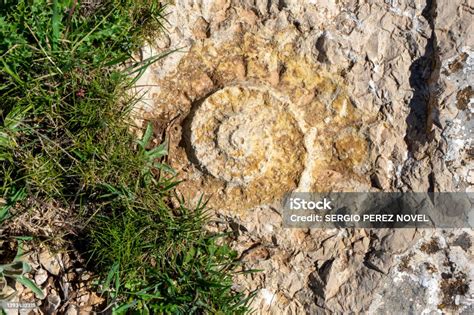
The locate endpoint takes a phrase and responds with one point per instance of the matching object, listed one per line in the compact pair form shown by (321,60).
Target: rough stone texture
(67,287)
(267,97)
(299,125)
(434,275)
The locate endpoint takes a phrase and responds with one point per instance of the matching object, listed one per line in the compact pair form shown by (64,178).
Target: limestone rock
(201,28)
(50,262)
(41,276)
(278,96)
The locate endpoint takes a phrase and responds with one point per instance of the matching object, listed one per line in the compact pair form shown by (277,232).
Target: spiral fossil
(240,134)
(257,121)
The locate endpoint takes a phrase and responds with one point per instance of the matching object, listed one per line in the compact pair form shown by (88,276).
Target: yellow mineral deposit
(257,120)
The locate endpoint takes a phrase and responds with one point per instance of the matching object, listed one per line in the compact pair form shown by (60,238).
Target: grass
(65,74)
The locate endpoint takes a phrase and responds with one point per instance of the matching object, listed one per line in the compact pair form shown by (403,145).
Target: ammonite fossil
(257,121)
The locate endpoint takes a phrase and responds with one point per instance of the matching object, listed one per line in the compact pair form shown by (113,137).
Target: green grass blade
(56,20)
(122,309)
(79,42)
(31,285)
(9,71)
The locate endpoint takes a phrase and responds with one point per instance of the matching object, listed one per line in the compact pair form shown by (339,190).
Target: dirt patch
(458,63)
(8,251)
(431,247)
(404,265)
(452,286)
(463,97)
(430,267)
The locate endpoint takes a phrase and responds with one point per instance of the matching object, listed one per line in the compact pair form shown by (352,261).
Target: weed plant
(66,68)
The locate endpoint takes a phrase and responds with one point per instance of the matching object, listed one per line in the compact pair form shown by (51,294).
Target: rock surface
(67,288)
(267,97)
